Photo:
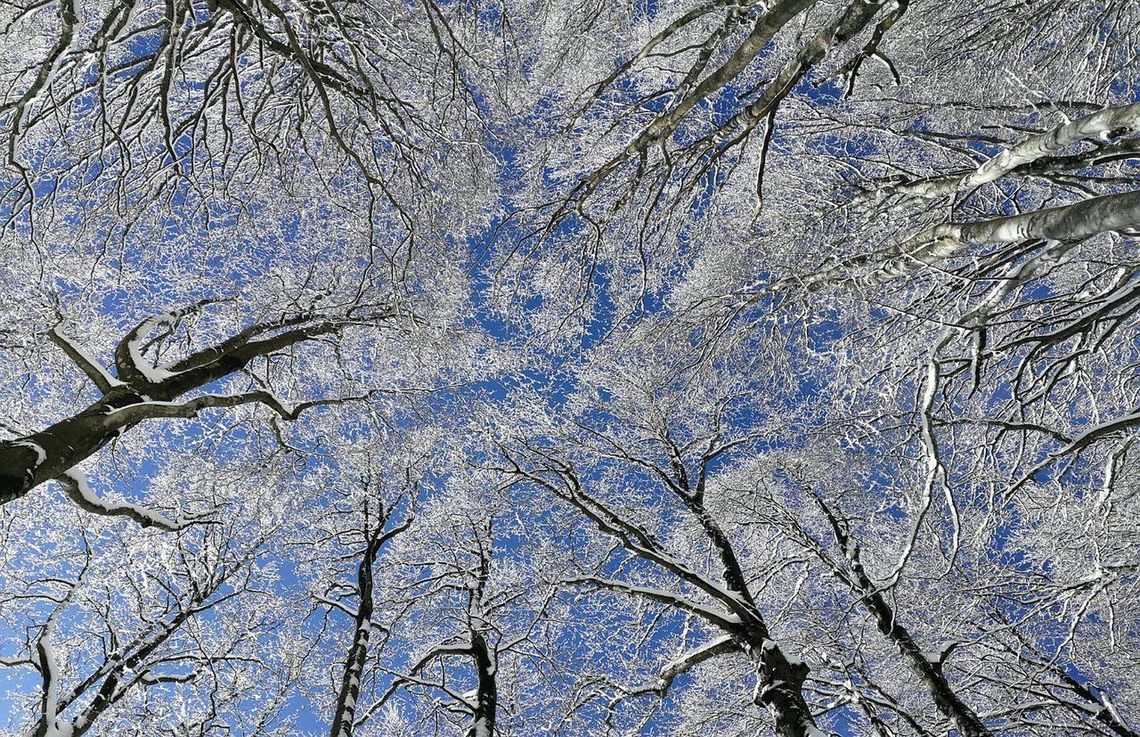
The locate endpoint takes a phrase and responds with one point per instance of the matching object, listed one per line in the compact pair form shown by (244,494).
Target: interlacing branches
(142,390)
(678,148)
(780,677)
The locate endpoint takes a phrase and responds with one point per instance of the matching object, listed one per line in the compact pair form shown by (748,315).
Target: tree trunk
(947,701)
(345,715)
(145,392)
(487,695)
(945,698)
(779,685)
(33,459)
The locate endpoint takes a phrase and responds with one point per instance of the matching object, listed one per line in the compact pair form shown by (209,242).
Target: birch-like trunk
(349,694)
(1067,224)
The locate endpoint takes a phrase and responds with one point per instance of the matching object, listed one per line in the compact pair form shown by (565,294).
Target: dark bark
(125,661)
(968,723)
(487,694)
(109,691)
(348,695)
(779,678)
(483,653)
(62,445)
(29,461)
(779,683)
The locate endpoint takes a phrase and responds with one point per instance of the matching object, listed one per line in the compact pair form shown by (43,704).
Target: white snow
(150,372)
(50,667)
(481,729)
(688,659)
(82,493)
(87,358)
(41,454)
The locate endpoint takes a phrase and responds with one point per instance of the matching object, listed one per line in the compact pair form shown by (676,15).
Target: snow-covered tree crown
(552,368)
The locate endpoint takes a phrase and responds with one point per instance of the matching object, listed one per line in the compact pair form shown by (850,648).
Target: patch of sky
(826,92)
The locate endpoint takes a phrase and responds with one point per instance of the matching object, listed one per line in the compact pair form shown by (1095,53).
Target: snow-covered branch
(80,492)
(99,376)
(1111,121)
(723,620)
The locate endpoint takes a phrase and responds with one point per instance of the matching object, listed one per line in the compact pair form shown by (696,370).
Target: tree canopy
(533,367)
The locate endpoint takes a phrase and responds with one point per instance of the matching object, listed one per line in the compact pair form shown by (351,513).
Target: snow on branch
(720,619)
(190,408)
(133,366)
(1079,443)
(80,492)
(334,604)
(1067,223)
(1098,125)
(402,679)
(86,363)
(694,657)
(686,662)
(764,29)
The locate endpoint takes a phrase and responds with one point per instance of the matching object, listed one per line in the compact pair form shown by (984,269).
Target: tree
(221,92)
(514,368)
(466,640)
(669,467)
(477,642)
(162,633)
(374,533)
(143,390)
(707,491)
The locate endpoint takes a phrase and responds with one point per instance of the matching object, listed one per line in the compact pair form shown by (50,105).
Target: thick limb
(144,391)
